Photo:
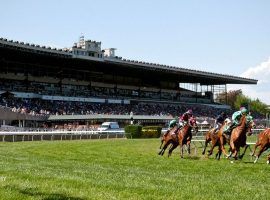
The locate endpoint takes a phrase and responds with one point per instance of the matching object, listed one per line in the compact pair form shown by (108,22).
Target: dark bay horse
(215,137)
(184,136)
(264,143)
(167,139)
(239,136)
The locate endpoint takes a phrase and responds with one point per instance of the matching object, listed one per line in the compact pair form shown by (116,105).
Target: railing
(80,135)
(22,136)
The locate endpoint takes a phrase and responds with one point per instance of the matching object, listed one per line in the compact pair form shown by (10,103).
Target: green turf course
(124,169)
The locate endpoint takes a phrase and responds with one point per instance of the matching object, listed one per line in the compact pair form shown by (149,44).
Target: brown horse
(184,136)
(264,143)
(239,137)
(167,139)
(215,137)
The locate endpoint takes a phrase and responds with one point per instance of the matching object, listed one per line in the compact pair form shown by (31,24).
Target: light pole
(131,117)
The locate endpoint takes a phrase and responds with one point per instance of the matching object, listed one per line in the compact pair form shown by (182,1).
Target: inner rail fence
(21,136)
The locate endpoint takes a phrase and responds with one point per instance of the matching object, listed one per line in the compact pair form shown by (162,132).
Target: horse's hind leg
(255,147)
(161,144)
(210,152)
(164,148)
(181,150)
(205,145)
(262,149)
(174,145)
(218,153)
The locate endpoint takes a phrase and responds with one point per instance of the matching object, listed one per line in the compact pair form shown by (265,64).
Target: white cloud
(261,91)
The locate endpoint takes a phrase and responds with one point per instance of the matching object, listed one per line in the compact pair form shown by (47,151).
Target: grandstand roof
(156,72)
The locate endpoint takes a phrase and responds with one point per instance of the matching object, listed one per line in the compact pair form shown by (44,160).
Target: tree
(231,97)
(236,99)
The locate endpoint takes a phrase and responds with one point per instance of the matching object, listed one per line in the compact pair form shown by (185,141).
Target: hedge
(151,131)
(133,131)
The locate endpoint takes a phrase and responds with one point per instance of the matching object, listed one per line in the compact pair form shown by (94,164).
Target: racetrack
(123,169)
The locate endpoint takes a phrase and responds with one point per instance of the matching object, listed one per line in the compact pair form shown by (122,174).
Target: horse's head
(249,124)
(193,124)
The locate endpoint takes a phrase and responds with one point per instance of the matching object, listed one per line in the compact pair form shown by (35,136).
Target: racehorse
(167,139)
(184,136)
(215,137)
(239,137)
(264,143)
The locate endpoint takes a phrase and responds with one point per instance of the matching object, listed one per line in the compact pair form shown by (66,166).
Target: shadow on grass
(45,196)
(193,158)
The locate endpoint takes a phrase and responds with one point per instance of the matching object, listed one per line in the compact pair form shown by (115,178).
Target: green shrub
(133,131)
(151,131)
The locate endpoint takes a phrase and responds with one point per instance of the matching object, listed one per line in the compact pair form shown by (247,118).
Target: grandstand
(88,84)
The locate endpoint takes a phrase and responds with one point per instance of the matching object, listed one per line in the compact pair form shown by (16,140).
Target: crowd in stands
(50,107)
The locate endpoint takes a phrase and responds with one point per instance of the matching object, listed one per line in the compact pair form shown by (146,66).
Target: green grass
(123,169)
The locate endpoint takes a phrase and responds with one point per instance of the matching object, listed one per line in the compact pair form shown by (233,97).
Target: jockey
(183,120)
(235,119)
(219,121)
(172,124)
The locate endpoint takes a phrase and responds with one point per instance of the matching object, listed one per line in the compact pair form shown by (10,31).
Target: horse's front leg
(242,155)
(188,146)
(221,141)
(236,151)
(268,159)
(181,149)
(233,150)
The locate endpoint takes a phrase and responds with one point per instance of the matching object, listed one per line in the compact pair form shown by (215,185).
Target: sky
(227,37)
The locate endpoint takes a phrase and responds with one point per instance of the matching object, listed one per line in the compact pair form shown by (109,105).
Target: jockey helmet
(244,110)
(189,112)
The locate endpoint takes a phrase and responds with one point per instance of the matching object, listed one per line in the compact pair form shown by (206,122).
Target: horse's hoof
(267,162)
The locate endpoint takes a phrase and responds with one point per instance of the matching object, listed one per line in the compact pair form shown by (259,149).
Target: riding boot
(165,135)
(176,131)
